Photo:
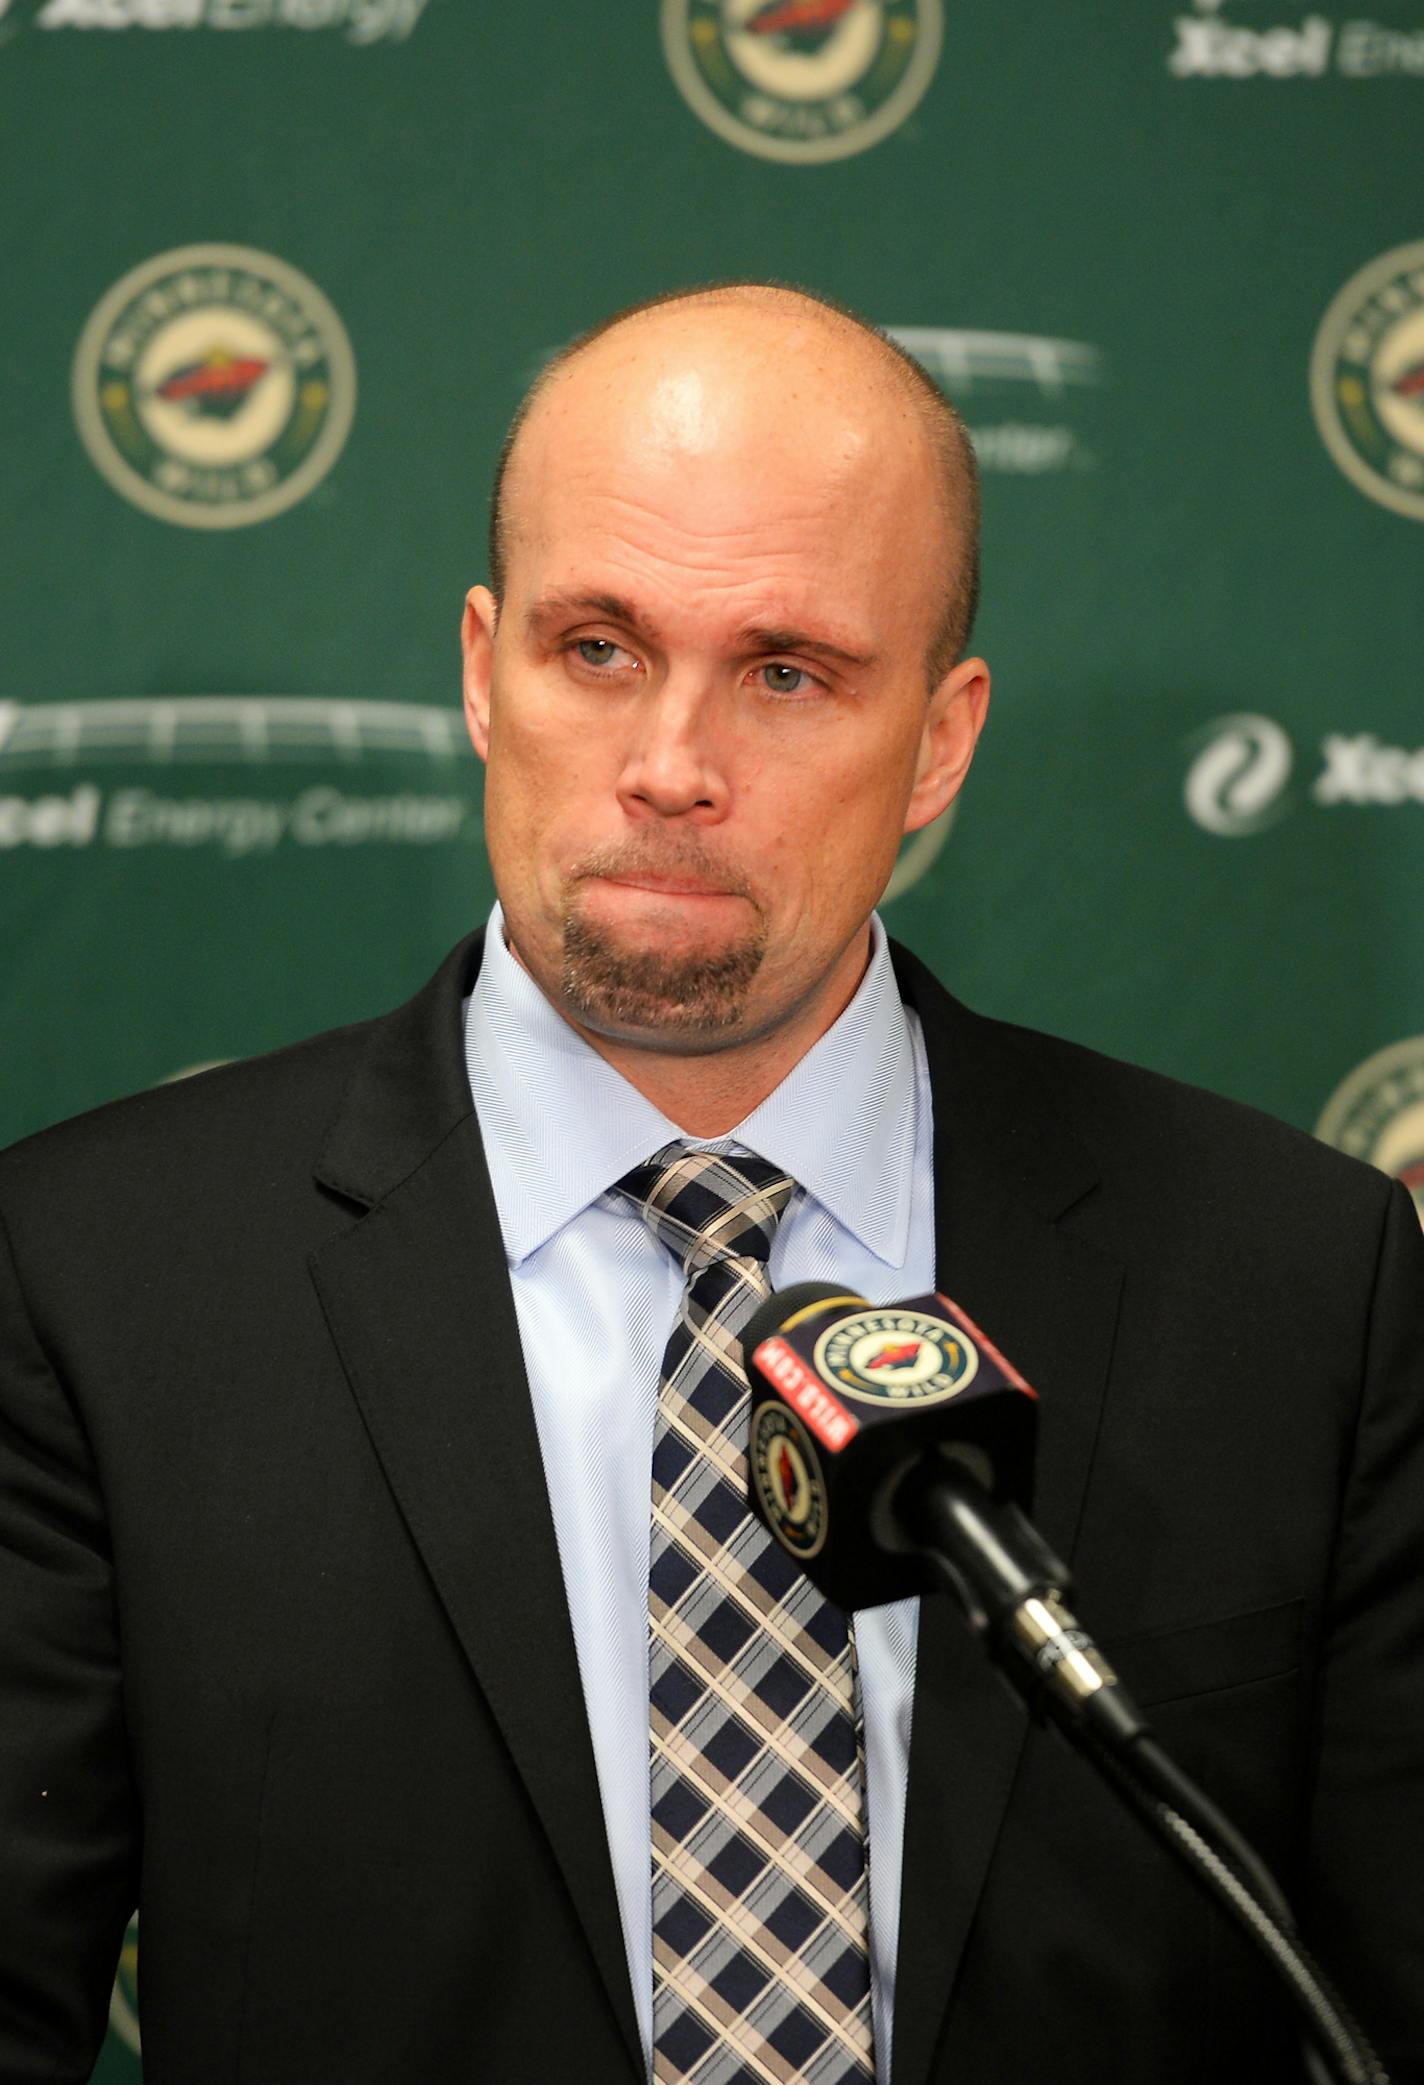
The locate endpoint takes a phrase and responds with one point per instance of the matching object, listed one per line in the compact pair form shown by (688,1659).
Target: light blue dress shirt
(596,1297)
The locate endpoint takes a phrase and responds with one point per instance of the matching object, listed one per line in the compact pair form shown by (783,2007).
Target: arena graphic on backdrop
(360,22)
(168,728)
(1213,43)
(1237,781)
(56,793)
(214,386)
(802,80)
(990,376)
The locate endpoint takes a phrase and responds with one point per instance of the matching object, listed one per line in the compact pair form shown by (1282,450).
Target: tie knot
(706,1207)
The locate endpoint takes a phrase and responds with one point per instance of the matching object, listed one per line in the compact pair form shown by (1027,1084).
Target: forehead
(760,468)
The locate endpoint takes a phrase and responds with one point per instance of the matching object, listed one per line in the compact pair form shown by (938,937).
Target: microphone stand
(1013,1589)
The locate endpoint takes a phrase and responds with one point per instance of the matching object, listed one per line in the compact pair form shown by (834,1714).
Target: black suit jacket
(286,1657)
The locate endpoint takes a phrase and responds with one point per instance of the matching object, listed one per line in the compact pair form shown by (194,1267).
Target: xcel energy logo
(1237,782)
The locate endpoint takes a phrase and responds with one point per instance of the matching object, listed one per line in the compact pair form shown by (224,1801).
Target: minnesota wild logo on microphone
(214,386)
(897,1357)
(786,1476)
(802,79)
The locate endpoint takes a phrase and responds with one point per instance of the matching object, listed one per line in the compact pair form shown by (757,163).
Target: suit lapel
(1006,1178)
(419,1306)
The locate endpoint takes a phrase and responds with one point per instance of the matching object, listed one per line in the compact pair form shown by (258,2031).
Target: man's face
(702,699)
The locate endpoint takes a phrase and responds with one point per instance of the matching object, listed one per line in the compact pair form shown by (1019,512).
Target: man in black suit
(287,1652)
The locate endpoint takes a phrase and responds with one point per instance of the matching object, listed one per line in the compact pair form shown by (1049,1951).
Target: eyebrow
(759,639)
(755,637)
(550,606)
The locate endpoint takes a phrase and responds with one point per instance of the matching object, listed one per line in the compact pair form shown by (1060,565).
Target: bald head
(748,368)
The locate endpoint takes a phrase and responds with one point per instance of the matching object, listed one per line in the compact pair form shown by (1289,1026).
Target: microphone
(890,1451)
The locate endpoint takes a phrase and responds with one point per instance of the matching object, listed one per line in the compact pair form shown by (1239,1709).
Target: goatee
(639,991)
(644,991)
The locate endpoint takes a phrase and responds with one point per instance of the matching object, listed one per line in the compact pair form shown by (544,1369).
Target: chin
(658,996)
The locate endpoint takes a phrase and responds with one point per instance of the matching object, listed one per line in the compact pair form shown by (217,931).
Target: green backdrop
(275,273)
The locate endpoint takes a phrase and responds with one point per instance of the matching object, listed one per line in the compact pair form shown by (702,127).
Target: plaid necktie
(760,1948)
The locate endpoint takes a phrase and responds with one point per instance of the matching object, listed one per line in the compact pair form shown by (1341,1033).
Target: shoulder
(281,1083)
(1170,1152)
(1113,1102)
(250,1127)
(222,1124)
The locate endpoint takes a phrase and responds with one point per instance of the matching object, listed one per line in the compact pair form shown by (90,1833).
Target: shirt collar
(560,1125)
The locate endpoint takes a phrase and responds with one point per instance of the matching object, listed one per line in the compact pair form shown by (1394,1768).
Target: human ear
(953,722)
(477,630)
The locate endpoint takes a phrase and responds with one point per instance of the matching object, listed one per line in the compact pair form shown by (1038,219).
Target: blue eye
(783,679)
(597,651)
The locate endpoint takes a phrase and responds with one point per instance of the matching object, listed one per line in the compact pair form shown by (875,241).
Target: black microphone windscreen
(783,1304)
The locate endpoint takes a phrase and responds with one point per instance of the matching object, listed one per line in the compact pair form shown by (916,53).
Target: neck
(708,1095)
(708,1092)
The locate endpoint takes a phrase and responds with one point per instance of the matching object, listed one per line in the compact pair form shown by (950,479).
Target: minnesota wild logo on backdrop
(1367,380)
(802,79)
(214,386)
(1377,1114)
(123,1999)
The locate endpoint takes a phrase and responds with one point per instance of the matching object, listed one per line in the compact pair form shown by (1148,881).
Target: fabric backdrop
(275,274)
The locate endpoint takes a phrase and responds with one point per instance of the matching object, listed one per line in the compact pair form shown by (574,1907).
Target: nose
(674,765)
